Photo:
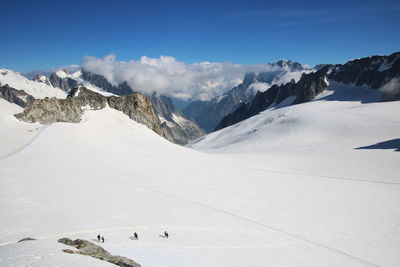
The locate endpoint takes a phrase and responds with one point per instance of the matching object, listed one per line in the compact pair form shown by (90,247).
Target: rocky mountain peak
(288,64)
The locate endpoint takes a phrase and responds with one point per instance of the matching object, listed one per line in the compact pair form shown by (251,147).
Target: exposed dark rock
(27,239)
(88,248)
(182,129)
(65,84)
(19,97)
(102,82)
(373,72)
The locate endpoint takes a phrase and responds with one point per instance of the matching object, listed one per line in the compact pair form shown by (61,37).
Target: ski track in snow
(290,234)
(28,146)
(286,233)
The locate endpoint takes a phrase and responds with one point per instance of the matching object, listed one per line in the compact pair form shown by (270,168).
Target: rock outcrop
(88,248)
(373,72)
(181,129)
(139,108)
(49,110)
(19,97)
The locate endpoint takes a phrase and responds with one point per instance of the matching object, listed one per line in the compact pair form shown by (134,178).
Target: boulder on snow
(88,248)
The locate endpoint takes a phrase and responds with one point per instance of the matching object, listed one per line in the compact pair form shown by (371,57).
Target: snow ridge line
(262,225)
(27,146)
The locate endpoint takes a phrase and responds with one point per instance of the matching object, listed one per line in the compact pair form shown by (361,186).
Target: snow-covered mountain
(381,73)
(58,84)
(314,184)
(33,88)
(209,113)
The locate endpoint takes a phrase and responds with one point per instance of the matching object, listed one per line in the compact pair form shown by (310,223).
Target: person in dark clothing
(98,237)
(166,234)
(135,236)
(102,239)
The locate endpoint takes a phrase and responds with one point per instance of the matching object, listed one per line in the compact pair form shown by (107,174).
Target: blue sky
(47,34)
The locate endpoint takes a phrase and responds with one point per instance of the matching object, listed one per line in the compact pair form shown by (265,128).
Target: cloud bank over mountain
(46,72)
(171,77)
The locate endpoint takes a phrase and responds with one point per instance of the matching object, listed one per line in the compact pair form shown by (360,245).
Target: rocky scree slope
(373,72)
(49,110)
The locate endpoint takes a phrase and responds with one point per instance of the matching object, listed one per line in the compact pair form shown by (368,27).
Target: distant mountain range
(180,128)
(376,72)
(209,113)
(285,82)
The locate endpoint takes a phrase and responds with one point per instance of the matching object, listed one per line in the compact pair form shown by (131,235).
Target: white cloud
(259,87)
(171,77)
(47,72)
(392,87)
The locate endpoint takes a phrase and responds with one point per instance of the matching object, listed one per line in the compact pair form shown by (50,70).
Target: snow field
(285,188)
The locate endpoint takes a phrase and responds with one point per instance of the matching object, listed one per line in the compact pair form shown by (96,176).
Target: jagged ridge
(49,110)
(373,72)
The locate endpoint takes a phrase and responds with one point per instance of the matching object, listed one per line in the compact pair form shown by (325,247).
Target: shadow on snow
(390,144)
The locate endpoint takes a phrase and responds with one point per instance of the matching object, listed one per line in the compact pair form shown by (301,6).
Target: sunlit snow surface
(34,88)
(303,185)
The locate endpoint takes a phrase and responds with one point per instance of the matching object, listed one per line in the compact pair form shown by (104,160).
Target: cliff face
(49,110)
(374,72)
(139,108)
(182,129)
(19,97)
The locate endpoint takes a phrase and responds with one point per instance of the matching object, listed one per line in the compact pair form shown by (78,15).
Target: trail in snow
(238,216)
(28,146)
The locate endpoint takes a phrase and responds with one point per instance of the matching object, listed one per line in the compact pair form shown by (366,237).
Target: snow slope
(34,88)
(285,188)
